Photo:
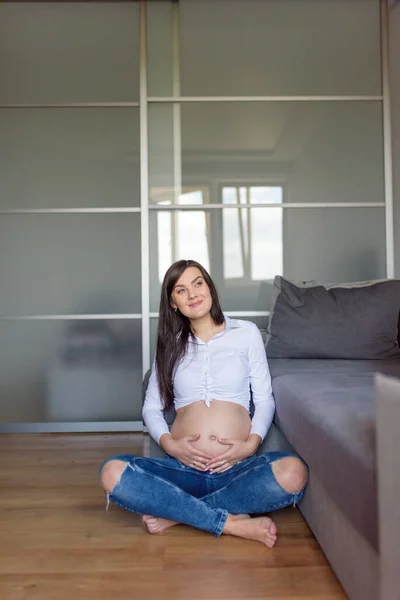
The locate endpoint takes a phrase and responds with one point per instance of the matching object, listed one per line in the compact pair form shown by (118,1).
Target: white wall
(394,53)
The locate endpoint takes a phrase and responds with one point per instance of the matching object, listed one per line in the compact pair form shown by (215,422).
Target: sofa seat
(326,410)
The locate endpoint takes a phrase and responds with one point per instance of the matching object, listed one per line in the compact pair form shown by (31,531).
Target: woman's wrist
(254,441)
(167,443)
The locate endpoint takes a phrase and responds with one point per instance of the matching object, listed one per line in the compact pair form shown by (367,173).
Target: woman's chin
(198,314)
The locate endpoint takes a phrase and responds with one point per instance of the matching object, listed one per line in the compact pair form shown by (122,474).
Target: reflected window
(182,234)
(188,195)
(252,237)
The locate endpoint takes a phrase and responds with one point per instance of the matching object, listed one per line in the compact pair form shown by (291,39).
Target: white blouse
(225,368)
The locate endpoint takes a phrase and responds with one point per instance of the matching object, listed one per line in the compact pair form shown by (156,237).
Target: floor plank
(58,541)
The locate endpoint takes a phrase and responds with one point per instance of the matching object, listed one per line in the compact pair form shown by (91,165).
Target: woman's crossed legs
(172,493)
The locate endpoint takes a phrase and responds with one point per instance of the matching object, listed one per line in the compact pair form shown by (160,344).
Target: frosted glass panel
(325,152)
(253,47)
(55,52)
(69,158)
(329,245)
(69,264)
(161,71)
(64,371)
(334,245)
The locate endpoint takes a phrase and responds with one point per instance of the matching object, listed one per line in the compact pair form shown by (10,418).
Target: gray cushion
(315,322)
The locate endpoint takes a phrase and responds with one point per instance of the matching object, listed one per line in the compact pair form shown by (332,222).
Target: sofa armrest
(388,468)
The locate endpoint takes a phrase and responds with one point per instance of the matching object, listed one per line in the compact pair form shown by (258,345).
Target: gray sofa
(342,416)
(327,411)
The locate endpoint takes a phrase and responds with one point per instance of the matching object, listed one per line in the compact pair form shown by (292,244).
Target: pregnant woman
(206,365)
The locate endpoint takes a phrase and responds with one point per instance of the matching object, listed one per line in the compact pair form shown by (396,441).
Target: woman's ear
(173,306)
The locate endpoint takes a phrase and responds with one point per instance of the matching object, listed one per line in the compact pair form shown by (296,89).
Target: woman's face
(191,294)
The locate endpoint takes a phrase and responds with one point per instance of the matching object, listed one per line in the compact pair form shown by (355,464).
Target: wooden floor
(58,543)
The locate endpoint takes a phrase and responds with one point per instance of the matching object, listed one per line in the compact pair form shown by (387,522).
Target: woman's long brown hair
(174,328)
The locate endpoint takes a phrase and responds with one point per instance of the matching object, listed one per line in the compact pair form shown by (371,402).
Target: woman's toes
(150,522)
(157,524)
(271,535)
(273,530)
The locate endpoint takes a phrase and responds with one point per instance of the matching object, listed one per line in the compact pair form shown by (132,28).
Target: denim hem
(298,496)
(221,524)
(124,506)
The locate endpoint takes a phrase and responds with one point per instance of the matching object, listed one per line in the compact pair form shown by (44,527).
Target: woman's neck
(205,328)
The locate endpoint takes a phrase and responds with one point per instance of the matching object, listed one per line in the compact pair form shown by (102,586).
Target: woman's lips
(195,304)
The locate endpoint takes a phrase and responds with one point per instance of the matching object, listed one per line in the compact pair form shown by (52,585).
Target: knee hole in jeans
(111,474)
(291,473)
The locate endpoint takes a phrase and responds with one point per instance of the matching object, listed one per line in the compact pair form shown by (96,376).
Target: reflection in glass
(56,264)
(64,371)
(266,248)
(69,52)
(164,196)
(235,255)
(254,47)
(153,338)
(182,235)
(271,152)
(69,158)
(334,245)
(253,194)
(238,263)
(259,252)
(329,245)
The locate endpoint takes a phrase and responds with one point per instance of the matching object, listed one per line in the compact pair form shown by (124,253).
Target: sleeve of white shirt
(153,409)
(260,382)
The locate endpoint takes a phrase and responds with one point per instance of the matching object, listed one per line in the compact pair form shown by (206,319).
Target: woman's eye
(180,291)
(199,283)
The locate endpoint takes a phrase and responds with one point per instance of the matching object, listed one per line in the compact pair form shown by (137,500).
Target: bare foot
(158,524)
(260,529)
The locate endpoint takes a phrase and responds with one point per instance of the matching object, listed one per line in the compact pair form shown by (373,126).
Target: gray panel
(153,338)
(69,158)
(236,47)
(69,52)
(66,371)
(69,264)
(334,245)
(394,57)
(159,48)
(320,152)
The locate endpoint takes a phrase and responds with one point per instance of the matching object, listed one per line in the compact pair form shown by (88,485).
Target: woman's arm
(260,382)
(153,409)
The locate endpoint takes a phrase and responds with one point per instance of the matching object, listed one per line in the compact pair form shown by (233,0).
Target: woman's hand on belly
(185,450)
(232,452)
(222,420)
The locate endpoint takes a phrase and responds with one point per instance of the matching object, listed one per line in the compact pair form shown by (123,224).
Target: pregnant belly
(221,420)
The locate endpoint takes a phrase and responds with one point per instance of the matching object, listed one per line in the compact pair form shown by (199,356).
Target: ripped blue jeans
(164,487)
